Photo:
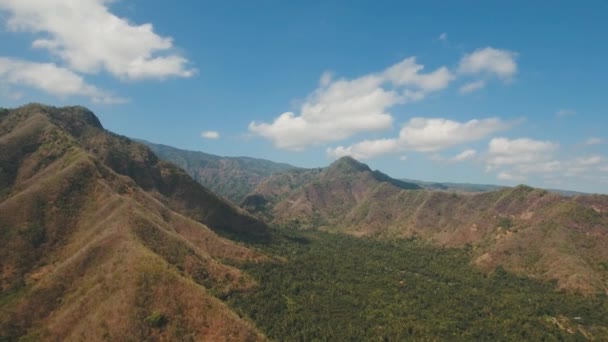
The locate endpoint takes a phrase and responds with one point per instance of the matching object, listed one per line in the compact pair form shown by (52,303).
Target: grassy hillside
(527,231)
(101,241)
(231,177)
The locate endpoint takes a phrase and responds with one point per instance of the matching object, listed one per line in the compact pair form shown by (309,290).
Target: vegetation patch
(157,320)
(505,223)
(336,287)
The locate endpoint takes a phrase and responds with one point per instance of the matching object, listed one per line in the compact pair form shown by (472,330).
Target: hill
(231,177)
(99,239)
(528,231)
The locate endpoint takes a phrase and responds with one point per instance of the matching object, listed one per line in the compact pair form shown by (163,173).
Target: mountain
(100,239)
(236,177)
(528,231)
(231,177)
(459,187)
(472,187)
(315,196)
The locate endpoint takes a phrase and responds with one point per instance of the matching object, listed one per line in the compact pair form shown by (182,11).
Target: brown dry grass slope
(101,241)
(528,231)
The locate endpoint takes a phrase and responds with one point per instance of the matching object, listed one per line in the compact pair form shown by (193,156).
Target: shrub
(505,223)
(157,320)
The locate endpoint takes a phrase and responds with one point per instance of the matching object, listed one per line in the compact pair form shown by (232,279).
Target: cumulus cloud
(341,108)
(88,38)
(429,135)
(52,79)
(489,61)
(409,73)
(472,86)
(518,159)
(365,149)
(210,135)
(464,155)
(523,157)
(424,135)
(503,151)
(338,109)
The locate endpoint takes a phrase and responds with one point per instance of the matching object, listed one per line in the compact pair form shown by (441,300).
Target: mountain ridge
(231,177)
(528,231)
(94,246)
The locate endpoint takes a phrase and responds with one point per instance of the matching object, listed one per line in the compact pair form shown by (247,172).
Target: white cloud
(565,112)
(408,73)
(443,36)
(52,79)
(522,157)
(338,109)
(489,61)
(519,158)
(503,151)
(89,38)
(424,135)
(341,108)
(472,86)
(583,165)
(594,141)
(365,149)
(429,135)
(210,135)
(332,112)
(464,155)
(403,158)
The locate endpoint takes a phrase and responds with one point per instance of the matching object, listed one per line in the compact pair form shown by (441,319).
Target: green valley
(333,287)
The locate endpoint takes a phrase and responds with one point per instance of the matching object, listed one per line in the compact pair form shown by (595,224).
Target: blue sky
(482,92)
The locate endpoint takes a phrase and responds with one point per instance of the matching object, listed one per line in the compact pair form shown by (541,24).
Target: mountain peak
(349,165)
(66,117)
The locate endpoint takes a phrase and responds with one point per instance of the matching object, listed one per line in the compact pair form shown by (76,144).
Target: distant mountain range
(528,231)
(100,238)
(235,177)
(231,177)
(472,187)
(459,187)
